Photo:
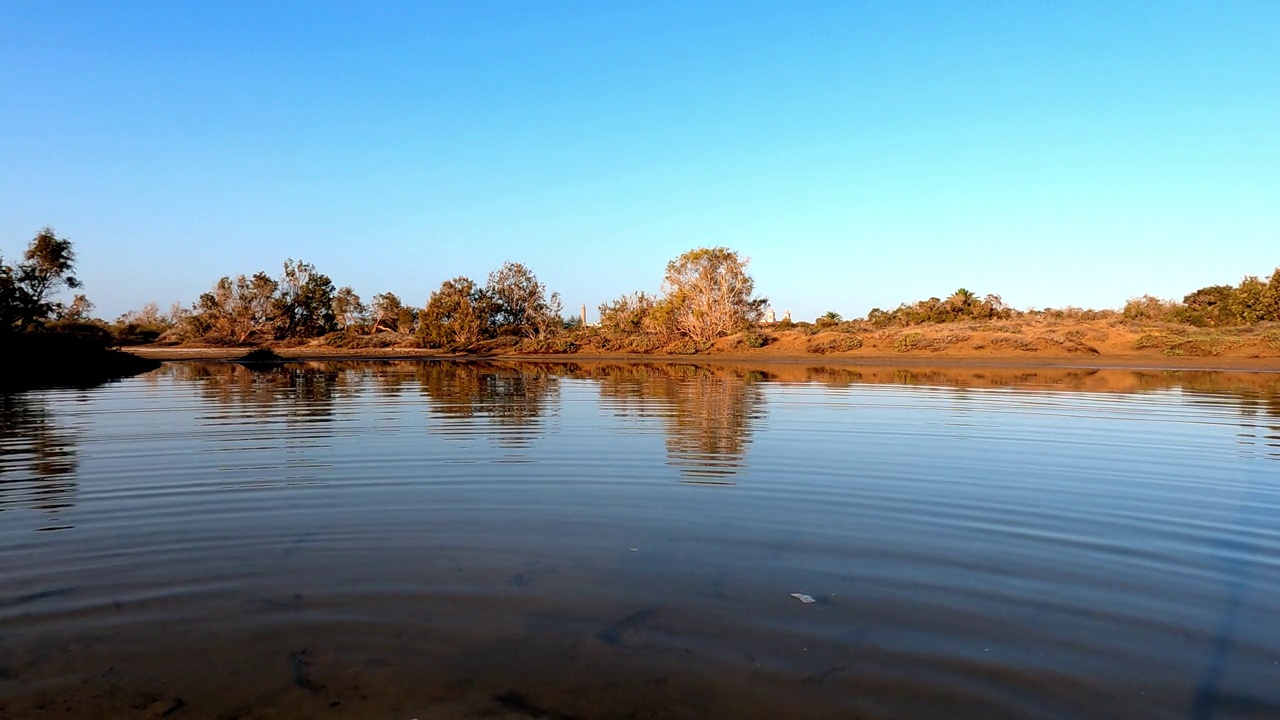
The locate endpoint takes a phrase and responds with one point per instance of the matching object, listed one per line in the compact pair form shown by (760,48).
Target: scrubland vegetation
(707,303)
(46,341)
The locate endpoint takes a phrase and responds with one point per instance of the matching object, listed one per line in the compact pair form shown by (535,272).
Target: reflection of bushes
(38,464)
(833,342)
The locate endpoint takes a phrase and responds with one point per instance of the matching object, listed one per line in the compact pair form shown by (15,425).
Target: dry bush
(1014,343)
(907,342)
(547,346)
(754,338)
(832,342)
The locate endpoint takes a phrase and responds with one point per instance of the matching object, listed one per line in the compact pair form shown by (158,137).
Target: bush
(1151,340)
(1272,338)
(547,346)
(833,342)
(685,346)
(1014,343)
(907,342)
(754,338)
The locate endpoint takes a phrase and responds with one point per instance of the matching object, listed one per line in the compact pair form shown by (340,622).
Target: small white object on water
(806,599)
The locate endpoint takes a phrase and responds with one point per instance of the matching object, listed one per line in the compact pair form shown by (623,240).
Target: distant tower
(584,314)
(769,317)
(786,316)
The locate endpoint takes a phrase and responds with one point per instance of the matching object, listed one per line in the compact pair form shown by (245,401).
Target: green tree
(304,304)
(962,300)
(710,295)
(348,309)
(457,315)
(521,302)
(27,290)
(1247,305)
(1271,298)
(387,312)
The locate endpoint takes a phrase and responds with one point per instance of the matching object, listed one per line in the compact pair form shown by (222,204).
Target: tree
(237,310)
(305,302)
(962,300)
(348,309)
(520,301)
(27,289)
(457,315)
(386,312)
(1208,305)
(710,294)
(77,311)
(9,304)
(1247,305)
(1271,298)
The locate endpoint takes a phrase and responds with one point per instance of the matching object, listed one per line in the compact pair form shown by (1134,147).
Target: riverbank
(39,360)
(1134,361)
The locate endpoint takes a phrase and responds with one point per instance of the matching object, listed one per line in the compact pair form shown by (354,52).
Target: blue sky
(862,154)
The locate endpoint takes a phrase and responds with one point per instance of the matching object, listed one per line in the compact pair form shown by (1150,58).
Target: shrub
(754,338)
(1151,340)
(907,342)
(547,346)
(1272,338)
(1014,343)
(833,342)
(685,346)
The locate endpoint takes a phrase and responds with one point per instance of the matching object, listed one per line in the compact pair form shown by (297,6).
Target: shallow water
(421,540)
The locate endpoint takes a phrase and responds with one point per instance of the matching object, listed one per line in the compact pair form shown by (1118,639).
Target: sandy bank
(762,356)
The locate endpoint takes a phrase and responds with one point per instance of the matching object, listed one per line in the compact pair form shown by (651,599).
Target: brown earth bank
(1075,345)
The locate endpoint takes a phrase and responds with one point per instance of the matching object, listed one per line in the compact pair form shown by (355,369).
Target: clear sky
(861,153)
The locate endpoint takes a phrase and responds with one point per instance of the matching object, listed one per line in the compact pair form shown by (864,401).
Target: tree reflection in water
(708,412)
(292,392)
(509,403)
(37,457)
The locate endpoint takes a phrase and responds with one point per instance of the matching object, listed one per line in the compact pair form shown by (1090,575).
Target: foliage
(833,342)
(635,316)
(387,312)
(710,294)
(962,305)
(753,338)
(237,310)
(349,311)
(147,325)
(304,302)
(28,289)
(907,342)
(520,302)
(457,315)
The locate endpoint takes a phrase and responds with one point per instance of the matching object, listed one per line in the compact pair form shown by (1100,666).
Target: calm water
(422,540)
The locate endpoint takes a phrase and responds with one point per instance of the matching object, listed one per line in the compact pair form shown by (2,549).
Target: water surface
(428,539)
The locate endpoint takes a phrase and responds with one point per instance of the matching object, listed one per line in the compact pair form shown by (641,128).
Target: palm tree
(833,316)
(962,299)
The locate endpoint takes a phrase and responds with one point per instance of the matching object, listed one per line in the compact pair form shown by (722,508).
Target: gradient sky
(861,154)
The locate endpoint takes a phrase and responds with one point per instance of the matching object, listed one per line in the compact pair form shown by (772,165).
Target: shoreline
(1134,361)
